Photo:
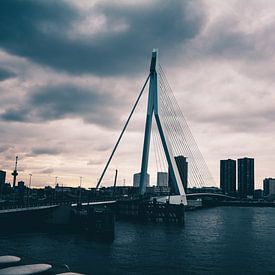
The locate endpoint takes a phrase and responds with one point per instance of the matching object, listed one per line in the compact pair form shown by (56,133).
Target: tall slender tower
(182,165)
(228,176)
(152,111)
(14,173)
(246,177)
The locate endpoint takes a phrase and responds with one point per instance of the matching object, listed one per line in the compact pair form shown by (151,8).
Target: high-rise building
(2,177)
(182,165)
(21,184)
(136,180)
(246,177)
(272,187)
(266,187)
(162,179)
(228,176)
(269,186)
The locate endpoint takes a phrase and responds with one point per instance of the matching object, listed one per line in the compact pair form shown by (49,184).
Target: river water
(221,240)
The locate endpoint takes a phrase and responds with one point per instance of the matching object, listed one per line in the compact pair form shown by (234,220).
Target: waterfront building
(21,185)
(228,176)
(136,180)
(162,179)
(182,165)
(258,194)
(246,177)
(272,187)
(2,177)
(266,187)
(269,186)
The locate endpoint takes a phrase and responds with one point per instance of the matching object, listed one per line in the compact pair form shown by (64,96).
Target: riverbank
(209,203)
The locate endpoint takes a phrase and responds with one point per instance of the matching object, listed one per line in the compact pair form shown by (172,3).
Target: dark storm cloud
(253,120)
(46,151)
(6,74)
(65,101)
(42,32)
(94,162)
(15,114)
(46,171)
(226,39)
(5,147)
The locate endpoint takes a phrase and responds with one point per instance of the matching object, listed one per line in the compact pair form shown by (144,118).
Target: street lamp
(56,181)
(80,186)
(30,182)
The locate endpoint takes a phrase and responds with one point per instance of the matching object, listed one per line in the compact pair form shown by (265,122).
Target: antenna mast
(14,173)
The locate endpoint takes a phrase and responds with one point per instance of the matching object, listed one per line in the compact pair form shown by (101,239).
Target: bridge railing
(18,205)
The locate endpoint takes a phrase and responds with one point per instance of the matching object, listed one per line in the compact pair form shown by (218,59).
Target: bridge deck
(15,210)
(93,203)
(218,195)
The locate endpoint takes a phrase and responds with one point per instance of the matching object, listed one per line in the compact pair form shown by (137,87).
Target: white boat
(70,273)
(5,260)
(25,269)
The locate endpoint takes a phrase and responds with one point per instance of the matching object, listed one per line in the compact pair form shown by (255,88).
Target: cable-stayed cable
(122,132)
(181,134)
(176,145)
(187,130)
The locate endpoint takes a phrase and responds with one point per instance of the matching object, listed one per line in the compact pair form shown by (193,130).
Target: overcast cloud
(70,72)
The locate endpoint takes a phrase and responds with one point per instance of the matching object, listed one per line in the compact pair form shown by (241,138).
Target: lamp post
(54,191)
(80,186)
(30,182)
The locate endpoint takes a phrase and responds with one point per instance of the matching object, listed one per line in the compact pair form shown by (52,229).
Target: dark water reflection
(225,240)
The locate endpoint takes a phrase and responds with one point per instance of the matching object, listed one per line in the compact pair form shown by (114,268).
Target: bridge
(172,138)
(210,195)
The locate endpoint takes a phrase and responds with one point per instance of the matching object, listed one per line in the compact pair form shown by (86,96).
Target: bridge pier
(150,211)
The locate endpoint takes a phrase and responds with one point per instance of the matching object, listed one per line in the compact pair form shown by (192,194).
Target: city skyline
(63,105)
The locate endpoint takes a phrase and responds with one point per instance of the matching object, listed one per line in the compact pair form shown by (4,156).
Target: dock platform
(152,211)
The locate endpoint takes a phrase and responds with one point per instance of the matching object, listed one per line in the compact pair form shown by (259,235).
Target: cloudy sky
(71,70)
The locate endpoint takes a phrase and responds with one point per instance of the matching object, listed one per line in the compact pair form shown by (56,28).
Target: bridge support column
(152,108)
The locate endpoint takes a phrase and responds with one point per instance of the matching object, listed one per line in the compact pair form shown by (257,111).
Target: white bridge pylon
(152,110)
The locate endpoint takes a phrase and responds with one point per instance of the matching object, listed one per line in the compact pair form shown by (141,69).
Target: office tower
(136,180)
(266,187)
(182,165)
(21,184)
(246,177)
(269,186)
(162,179)
(228,176)
(2,177)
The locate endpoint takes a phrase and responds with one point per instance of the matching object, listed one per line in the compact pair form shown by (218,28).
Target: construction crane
(14,173)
